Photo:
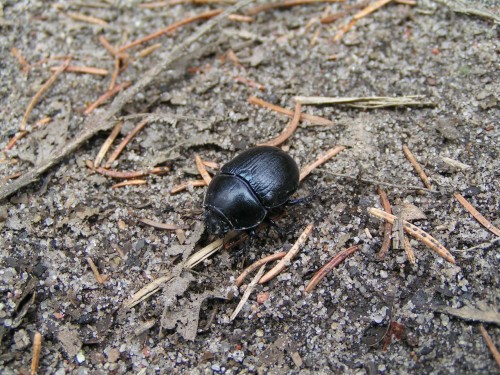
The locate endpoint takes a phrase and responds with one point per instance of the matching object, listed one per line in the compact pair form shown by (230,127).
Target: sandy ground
(367,316)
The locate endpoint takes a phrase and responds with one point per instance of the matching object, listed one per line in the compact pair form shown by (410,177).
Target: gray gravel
(50,228)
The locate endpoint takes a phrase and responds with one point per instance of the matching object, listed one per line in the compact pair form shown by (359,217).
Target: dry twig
(418,233)
(417,167)
(334,262)
(477,215)
(288,257)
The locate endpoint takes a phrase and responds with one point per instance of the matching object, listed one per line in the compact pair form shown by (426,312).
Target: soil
(367,316)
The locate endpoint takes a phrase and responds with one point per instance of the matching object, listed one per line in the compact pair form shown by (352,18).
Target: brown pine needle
(343,29)
(87,19)
(334,262)
(114,76)
(316,120)
(322,159)
(40,93)
(83,69)
(15,138)
(112,50)
(42,122)
(196,183)
(96,272)
(370,9)
(107,144)
(106,96)
(247,293)
(250,83)
(12,176)
(417,167)
(409,250)
(165,226)
(129,183)
(25,67)
(202,170)
(417,233)
(170,28)
(490,344)
(289,129)
(159,4)
(210,164)
(258,264)
(149,50)
(127,175)
(287,4)
(386,243)
(125,142)
(288,257)
(35,356)
(485,222)
(240,18)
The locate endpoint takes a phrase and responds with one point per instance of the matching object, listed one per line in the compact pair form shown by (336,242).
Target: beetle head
(216,223)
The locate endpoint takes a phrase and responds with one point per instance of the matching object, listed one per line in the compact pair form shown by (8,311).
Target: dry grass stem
(129,183)
(490,344)
(417,167)
(171,28)
(106,96)
(125,142)
(87,19)
(257,264)
(409,251)
(149,50)
(288,257)
(96,272)
(83,70)
(334,262)
(289,129)
(195,183)
(315,120)
(247,292)
(370,102)
(208,250)
(417,233)
(386,242)
(202,170)
(107,144)
(159,225)
(35,356)
(370,9)
(304,172)
(287,4)
(147,291)
(40,93)
(484,222)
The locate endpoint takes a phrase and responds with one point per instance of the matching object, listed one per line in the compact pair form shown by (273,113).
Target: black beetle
(241,195)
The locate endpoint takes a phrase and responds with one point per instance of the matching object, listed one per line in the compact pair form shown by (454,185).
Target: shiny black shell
(240,196)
